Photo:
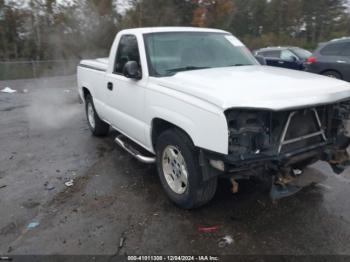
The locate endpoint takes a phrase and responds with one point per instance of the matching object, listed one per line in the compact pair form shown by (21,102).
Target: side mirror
(132,70)
(261,59)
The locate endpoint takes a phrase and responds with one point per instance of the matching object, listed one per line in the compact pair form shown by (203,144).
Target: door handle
(341,62)
(110,86)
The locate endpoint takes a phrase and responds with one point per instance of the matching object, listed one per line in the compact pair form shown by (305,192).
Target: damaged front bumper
(282,169)
(338,159)
(281,142)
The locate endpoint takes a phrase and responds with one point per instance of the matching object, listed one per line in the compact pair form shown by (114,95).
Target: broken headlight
(249,132)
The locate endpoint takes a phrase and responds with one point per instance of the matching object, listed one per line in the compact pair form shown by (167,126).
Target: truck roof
(147,30)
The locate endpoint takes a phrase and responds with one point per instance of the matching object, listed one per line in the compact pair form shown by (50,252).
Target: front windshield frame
(153,72)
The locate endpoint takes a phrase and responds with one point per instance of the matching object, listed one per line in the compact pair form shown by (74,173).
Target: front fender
(207,130)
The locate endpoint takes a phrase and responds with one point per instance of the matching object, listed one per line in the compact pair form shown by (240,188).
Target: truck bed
(100,64)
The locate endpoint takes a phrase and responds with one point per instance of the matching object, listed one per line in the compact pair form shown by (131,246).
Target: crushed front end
(284,143)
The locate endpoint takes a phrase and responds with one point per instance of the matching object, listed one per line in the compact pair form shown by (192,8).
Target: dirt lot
(44,142)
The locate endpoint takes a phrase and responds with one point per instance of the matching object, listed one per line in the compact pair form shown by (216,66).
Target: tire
(195,192)
(332,74)
(97,126)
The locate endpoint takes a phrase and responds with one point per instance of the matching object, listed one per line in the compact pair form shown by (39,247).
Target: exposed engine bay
(288,141)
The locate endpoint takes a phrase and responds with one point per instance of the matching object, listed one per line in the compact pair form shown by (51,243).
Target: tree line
(75,29)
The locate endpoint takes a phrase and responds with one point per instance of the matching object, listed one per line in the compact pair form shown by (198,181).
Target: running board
(133,151)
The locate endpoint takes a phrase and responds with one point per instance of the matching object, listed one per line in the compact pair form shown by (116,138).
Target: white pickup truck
(199,105)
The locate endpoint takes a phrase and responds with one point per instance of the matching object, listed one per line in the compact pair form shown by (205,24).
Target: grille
(302,129)
(253,133)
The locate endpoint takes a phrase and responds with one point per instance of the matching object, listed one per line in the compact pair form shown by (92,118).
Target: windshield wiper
(186,68)
(240,65)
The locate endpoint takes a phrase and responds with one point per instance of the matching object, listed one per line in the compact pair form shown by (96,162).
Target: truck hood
(258,86)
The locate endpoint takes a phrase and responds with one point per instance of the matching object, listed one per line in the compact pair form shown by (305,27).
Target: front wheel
(180,172)
(97,126)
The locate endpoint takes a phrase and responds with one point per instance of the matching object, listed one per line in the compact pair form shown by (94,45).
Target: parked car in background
(331,59)
(286,57)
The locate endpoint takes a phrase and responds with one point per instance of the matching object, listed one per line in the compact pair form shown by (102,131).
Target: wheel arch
(86,92)
(159,125)
(332,70)
(205,129)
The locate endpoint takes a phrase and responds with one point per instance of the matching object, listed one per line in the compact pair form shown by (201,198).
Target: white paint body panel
(196,100)
(99,63)
(258,87)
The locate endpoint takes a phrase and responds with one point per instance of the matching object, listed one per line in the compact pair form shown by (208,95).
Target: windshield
(302,53)
(172,52)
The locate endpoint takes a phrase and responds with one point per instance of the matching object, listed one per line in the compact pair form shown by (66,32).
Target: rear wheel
(332,74)
(97,126)
(180,172)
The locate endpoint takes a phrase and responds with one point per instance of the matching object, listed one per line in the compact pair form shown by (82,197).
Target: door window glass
(271,54)
(128,50)
(346,50)
(288,55)
(332,49)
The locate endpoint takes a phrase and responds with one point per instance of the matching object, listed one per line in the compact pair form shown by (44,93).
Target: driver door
(272,57)
(125,97)
(289,60)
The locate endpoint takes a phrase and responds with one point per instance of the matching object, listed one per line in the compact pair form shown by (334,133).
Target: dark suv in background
(331,59)
(286,57)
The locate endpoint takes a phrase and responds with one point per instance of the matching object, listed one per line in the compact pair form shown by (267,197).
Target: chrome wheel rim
(175,170)
(91,115)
